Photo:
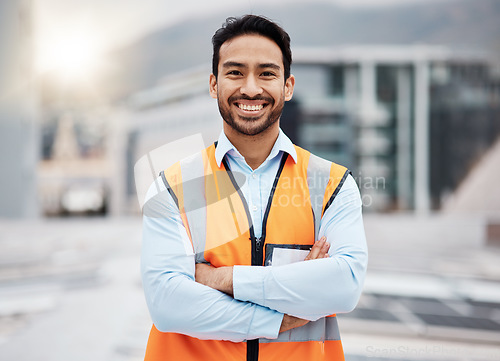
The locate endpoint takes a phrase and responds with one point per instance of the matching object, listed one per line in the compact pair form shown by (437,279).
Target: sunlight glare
(71,56)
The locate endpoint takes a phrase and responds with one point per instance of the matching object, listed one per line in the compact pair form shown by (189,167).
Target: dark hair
(252,24)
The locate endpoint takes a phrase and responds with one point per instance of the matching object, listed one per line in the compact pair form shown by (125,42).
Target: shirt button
(254,208)
(254,176)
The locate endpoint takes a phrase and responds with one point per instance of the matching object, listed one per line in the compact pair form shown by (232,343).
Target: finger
(316,249)
(324,250)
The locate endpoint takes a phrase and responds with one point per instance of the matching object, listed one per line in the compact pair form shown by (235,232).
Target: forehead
(251,48)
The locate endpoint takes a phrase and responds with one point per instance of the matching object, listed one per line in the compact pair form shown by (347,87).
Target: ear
(289,85)
(213,86)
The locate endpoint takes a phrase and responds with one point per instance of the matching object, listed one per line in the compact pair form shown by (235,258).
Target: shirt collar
(283,143)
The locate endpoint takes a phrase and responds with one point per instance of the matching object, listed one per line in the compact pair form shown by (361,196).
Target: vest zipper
(257,243)
(257,250)
(252,345)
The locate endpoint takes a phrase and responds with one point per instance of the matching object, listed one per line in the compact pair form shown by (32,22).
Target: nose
(251,87)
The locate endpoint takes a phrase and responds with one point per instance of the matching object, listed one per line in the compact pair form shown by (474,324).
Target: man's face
(251,89)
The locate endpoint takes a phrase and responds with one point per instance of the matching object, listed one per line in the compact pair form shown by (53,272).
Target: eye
(234,72)
(268,74)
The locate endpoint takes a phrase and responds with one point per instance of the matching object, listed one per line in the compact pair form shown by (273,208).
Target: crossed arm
(265,300)
(221,279)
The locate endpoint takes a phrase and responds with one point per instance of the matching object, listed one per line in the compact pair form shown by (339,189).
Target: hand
(220,278)
(319,250)
(290,322)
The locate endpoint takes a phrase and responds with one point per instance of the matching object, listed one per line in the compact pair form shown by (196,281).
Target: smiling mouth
(250,108)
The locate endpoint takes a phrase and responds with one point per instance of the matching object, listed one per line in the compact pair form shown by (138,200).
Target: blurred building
(18,126)
(409,121)
(75,172)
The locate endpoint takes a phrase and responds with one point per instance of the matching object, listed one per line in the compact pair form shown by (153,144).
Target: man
(224,229)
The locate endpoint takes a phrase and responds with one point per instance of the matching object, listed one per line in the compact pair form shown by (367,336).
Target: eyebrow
(230,64)
(235,64)
(270,65)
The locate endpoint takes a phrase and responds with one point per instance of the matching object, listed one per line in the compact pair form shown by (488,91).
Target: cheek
(280,95)
(223,92)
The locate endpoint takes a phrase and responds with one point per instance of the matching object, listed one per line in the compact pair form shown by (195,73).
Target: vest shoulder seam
(337,190)
(170,190)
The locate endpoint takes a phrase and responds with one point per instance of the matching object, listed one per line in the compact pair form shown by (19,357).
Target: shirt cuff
(266,323)
(248,283)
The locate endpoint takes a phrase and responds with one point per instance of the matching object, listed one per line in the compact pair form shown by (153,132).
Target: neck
(254,148)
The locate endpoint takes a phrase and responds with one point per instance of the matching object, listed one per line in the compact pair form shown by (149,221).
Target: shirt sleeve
(316,288)
(176,302)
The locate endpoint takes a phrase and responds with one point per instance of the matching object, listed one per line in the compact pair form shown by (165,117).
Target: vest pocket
(282,254)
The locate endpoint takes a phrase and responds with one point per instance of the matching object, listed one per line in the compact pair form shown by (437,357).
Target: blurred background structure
(404,93)
(19,141)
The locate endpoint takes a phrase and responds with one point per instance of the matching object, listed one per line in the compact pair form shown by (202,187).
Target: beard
(251,125)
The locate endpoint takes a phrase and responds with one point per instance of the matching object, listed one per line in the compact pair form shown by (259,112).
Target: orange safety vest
(216,217)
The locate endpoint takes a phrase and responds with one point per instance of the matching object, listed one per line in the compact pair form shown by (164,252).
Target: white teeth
(250,107)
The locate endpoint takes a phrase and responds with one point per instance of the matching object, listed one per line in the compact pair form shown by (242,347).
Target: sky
(73,34)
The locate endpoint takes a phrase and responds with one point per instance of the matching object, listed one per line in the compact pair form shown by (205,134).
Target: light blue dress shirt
(309,290)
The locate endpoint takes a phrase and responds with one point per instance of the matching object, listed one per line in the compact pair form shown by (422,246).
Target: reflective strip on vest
(318,174)
(193,179)
(324,329)
(155,206)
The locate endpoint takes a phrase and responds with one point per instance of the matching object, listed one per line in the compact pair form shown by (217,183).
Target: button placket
(253,207)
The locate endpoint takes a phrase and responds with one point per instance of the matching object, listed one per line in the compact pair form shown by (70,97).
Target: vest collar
(283,143)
